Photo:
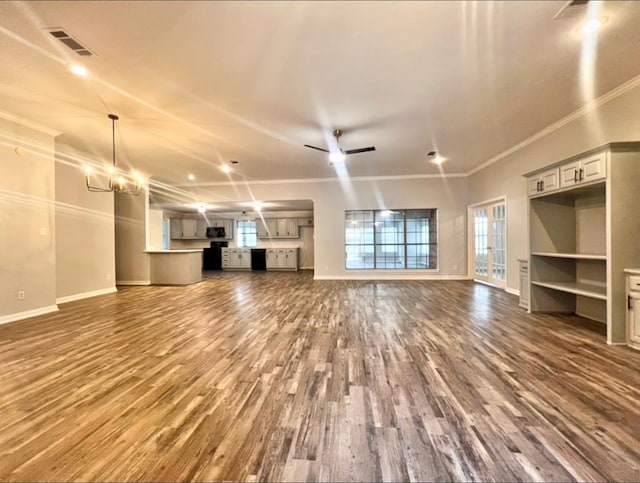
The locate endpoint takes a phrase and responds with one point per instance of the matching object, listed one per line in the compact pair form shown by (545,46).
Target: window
(247,233)
(391,239)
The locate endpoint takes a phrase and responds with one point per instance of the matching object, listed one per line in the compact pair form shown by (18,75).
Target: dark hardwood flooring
(275,376)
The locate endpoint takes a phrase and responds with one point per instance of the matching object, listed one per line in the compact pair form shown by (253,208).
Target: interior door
(489,243)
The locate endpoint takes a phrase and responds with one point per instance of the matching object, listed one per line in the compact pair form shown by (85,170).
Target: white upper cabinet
(543,182)
(278,228)
(585,170)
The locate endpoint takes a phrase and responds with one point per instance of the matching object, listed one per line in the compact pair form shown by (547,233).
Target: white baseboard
(306,268)
(85,295)
(512,291)
(133,282)
(620,343)
(379,276)
(5,319)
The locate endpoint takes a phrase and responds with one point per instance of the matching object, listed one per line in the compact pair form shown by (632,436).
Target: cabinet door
(524,288)
(570,174)
(228,229)
(245,258)
(533,185)
(189,229)
(634,318)
(292,259)
(282,229)
(594,168)
(175,225)
(292,228)
(201,229)
(271,259)
(550,180)
(281,259)
(261,228)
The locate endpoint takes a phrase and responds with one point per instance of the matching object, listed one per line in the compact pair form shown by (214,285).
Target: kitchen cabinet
(524,283)
(633,309)
(591,168)
(236,259)
(543,182)
(201,229)
(282,259)
(278,228)
(187,229)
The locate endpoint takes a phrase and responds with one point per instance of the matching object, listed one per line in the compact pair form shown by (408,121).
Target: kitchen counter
(632,271)
(175,267)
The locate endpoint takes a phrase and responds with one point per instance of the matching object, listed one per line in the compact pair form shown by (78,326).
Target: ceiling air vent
(572,9)
(70,42)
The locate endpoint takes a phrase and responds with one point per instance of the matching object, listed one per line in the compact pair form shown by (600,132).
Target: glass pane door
(489,243)
(481,243)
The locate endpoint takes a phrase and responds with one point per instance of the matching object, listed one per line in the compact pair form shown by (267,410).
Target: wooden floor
(275,376)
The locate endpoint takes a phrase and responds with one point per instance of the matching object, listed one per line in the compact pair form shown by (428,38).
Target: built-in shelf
(576,256)
(584,289)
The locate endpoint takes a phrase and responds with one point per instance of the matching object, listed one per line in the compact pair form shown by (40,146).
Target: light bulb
(191,177)
(78,70)
(337,157)
(591,26)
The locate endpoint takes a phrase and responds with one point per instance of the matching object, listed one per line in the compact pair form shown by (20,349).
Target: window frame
(240,233)
(431,248)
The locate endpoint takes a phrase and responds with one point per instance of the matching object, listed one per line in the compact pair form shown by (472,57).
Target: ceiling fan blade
(314,147)
(360,150)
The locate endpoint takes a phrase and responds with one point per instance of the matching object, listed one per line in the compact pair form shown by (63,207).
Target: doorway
(488,226)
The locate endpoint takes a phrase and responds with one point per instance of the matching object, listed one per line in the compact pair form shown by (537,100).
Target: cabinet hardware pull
(575,175)
(581,174)
(629,302)
(542,185)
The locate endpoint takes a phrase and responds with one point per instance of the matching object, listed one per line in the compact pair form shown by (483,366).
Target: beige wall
(27,229)
(616,120)
(155,230)
(332,198)
(132,263)
(85,238)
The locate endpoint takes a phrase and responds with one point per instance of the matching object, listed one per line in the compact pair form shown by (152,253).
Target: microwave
(215,232)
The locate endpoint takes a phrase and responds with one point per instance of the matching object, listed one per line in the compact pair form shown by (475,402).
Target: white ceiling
(197,84)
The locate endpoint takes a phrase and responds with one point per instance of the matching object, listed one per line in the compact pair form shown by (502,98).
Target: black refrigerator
(212,257)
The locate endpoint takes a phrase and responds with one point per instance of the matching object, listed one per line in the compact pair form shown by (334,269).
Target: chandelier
(117,182)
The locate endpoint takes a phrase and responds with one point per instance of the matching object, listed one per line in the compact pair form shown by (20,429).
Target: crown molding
(30,124)
(577,114)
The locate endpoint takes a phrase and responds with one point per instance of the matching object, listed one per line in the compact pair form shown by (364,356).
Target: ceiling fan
(339,155)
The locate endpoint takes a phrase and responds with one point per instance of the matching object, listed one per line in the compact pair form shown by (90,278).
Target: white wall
(616,120)
(27,228)
(85,238)
(132,263)
(332,198)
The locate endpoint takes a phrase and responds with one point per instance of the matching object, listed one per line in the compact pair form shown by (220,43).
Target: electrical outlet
(43,231)
(21,295)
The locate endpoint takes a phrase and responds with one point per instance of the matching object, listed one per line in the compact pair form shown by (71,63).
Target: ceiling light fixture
(191,177)
(201,208)
(257,206)
(436,157)
(337,157)
(79,70)
(591,26)
(225,168)
(117,182)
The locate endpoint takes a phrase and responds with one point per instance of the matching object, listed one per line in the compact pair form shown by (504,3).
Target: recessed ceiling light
(19,151)
(439,159)
(201,208)
(257,206)
(592,25)
(191,177)
(233,161)
(78,70)
(225,168)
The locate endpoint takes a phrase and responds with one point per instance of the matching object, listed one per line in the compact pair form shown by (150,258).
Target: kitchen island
(175,267)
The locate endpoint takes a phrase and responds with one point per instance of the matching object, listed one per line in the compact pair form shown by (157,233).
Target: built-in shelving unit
(583,231)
